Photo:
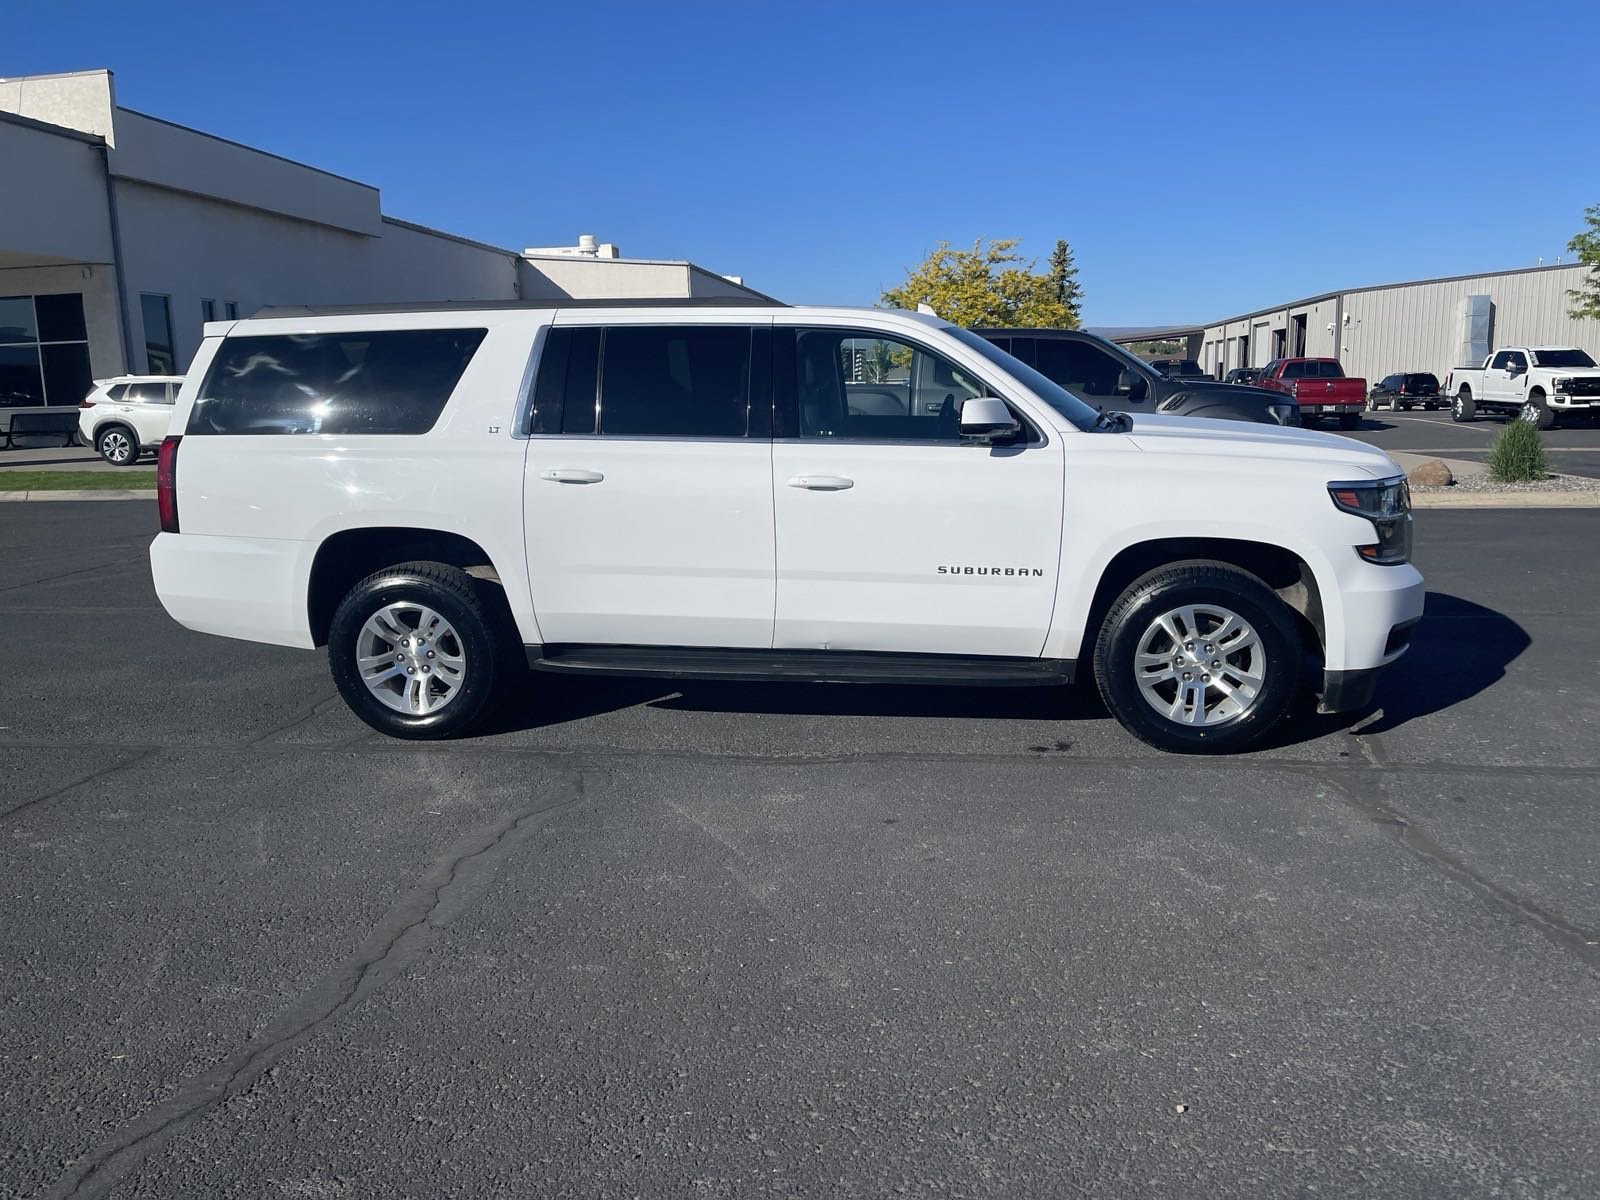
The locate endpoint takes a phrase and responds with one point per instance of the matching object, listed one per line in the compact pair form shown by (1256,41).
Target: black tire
(1198,582)
(479,638)
(118,445)
(1463,408)
(1536,412)
(1352,420)
(1408,407)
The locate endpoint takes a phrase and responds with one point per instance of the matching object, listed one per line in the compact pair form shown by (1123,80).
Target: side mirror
(988,419)
(1513,368)
(1133,385)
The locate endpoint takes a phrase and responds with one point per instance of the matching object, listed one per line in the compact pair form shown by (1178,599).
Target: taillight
(167,483)
(87,401)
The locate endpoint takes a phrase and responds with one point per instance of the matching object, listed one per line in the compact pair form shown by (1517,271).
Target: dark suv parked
(1102,373)
(1406,391)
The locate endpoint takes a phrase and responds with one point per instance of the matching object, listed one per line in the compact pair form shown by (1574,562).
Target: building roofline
(726,282)
(11,118)
(1386,287)
(293,162)
(449,237)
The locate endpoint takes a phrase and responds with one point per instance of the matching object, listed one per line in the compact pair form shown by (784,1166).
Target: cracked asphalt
(788,940)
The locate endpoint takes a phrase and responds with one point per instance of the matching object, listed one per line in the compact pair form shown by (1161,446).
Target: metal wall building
(1429,325)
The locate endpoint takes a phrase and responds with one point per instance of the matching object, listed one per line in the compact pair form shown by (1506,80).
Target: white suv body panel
(149,419)
(698,542)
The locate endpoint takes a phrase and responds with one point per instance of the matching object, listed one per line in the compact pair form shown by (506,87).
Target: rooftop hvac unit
(1476,331)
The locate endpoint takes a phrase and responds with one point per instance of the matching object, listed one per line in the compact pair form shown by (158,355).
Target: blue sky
(1202,159)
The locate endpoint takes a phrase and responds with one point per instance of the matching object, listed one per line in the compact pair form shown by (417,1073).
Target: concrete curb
(1505,499)
(79,494)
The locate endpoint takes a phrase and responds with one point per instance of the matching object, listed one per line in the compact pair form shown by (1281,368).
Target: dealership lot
(733,940)
(1571,449)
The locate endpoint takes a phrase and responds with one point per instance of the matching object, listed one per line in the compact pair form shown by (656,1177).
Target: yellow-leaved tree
(990,285)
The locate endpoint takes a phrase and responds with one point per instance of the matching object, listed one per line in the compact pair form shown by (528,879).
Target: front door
(893,534)
(1504,378)
(647,489)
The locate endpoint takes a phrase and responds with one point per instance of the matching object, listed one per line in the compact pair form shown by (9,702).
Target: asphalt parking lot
(1570,448)
(790,940)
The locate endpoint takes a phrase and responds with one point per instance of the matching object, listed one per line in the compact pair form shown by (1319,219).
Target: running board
(811,666)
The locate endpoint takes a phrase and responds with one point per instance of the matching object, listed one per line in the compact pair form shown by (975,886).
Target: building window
(233,310)
(44,351)
(160,359)
(208,310)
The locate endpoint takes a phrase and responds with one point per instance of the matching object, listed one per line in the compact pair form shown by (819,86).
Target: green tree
(1586,299)
(1064,274)
(991,284)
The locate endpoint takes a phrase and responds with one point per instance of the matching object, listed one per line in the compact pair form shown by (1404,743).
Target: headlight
(1285,414)
(1563,385)
(1387,504)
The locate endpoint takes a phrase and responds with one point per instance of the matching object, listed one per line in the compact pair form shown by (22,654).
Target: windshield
(1562,358)
(1082,415)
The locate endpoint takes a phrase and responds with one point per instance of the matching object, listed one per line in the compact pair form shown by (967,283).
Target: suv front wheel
(1198,657)
(413,651)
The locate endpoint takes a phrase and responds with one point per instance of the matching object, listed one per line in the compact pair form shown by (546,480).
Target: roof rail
(333,310)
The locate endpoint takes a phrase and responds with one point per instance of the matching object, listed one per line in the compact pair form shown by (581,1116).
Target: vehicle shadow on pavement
(1435,673)
(1432,676)
(557,700)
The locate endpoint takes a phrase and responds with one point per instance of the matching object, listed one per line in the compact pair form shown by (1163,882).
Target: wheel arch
(1288,574)
(348,556)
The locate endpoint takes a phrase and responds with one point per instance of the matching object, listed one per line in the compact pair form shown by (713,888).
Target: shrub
(1517,455)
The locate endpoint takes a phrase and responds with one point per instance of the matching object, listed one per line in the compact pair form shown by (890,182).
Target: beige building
(121,234)
(1429,325)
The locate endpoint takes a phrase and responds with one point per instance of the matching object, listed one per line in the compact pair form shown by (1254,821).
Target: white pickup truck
(1540,384)
(446,497)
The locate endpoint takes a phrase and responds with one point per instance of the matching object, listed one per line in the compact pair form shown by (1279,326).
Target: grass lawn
(65,481)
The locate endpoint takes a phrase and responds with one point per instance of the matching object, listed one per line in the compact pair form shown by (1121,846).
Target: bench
(52,425)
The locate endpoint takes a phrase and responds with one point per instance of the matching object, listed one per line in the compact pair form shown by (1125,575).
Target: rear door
(892,534)
(148,406)
(648,487)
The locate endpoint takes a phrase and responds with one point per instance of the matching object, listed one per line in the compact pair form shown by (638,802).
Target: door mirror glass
(988,419)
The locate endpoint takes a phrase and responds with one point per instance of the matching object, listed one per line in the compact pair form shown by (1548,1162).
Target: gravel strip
(1550,483)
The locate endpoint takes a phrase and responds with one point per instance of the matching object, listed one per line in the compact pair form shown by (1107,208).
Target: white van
(441,496)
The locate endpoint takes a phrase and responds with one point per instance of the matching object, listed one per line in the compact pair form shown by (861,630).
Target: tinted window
(61,317)
(1329,369)
(1296,370)
(675,381)
(394,381)
(1517,359)
(116,391)
(1422,381)
(1081,367)
(868,386)
(160,358)
(16,320)
(1499,361)
(1562,358)
(21,384)
(147,393)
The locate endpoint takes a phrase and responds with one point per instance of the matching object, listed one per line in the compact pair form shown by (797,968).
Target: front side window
(1516,359)
(1500,361)
(867,386)
(160,357)
(1080,367)
(392,381)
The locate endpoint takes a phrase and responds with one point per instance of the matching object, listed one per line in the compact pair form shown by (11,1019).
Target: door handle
(571,475)
(821,483)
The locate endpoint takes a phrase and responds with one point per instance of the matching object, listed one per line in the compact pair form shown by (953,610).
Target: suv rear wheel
(413,652)
(1197,657)
(118,445)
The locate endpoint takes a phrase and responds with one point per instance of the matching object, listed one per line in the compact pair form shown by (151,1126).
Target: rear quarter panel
(464,476)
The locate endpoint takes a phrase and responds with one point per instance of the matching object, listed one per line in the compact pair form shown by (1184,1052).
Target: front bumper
(1351,691)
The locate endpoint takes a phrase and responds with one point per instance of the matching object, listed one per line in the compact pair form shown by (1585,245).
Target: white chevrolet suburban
(445,496)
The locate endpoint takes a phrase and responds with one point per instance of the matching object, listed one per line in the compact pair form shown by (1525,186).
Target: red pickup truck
(1320,387)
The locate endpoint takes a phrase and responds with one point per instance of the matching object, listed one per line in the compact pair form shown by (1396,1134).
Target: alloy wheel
(411,658)
(1200,665)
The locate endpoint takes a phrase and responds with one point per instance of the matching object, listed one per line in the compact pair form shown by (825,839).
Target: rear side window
(148,393)
(1080,367)
(393,381)
(675,381)
(116,391)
